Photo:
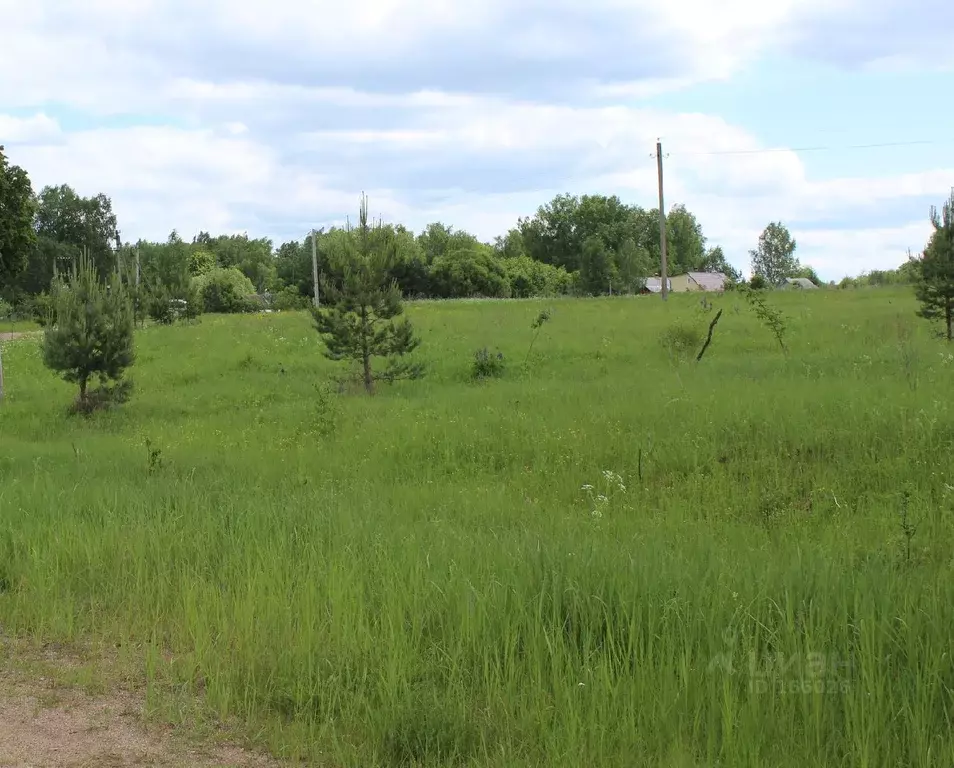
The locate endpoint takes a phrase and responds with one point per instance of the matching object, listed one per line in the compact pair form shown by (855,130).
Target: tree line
(579,245)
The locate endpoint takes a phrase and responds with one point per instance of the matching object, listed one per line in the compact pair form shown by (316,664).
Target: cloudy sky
(270,118)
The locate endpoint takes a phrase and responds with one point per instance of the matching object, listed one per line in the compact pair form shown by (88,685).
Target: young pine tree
(92,335)
(935,285)
(360,316)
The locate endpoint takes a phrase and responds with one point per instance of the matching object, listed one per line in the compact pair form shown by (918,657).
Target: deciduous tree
(17,209)
(774,258)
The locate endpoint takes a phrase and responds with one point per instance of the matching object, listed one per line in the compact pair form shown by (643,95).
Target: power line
(812,149)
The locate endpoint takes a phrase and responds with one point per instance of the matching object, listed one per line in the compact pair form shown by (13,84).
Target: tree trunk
(366,352)
(949,316)
(82,384)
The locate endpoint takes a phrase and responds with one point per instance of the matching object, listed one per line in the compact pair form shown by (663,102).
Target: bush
(758,283)
(42,309)
(463,274)
(225,290)
(487,365)
(289,299)
(159,305)
(6,310)
(534,278)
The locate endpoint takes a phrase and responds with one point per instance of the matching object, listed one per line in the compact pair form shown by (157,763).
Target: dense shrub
(42,309)
(225,290)
(469,273)
(487,365)
(290,299)
(534,278)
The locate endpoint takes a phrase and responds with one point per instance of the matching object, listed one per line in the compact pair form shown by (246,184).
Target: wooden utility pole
(314,263)
(662,222)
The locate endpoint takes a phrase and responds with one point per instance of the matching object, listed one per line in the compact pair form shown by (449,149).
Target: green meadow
(760,575)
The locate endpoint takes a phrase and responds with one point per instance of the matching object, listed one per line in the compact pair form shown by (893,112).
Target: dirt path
(12,336)
(44,723)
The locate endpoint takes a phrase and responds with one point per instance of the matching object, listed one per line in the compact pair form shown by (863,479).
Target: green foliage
(715,261)
(536,326)
(595,267)
(71,224)
(93,335)
(633,266)
(487,365)
(201,261)
(935,285)
(225,290)
(529,278)
(360,317)
(253,258)
(770,316)
(159,306)
(474,272)
(685,243)
(289,299)
(774,258)
(758,282)
(17,208)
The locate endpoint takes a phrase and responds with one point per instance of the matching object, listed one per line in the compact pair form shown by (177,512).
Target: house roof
(710,281)
(654,284)
(800,282)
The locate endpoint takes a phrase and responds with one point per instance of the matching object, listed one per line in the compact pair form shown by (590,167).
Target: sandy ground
(44,723)
(9,336)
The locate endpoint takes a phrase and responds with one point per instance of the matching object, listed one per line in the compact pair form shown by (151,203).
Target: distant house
(707,281)
(699,281)
(799,282)
(654,285)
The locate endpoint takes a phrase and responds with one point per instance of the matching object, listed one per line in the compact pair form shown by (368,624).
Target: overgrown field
(420,578)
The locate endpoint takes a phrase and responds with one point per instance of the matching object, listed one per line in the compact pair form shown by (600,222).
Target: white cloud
(840,253)
(192,179)
(280,116)
(25,130)
(111,55)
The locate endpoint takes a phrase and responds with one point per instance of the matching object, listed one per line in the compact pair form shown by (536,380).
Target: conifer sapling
(92,335)
(361,314)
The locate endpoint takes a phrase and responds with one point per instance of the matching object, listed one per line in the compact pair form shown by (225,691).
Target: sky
(833,117)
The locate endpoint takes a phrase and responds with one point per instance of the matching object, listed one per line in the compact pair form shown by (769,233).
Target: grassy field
(421,579)
(20,326)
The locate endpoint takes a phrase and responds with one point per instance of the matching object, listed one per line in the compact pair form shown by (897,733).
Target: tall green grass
(419,578)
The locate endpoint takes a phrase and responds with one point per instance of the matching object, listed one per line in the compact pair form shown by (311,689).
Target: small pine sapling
(92,337)
(360,316)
